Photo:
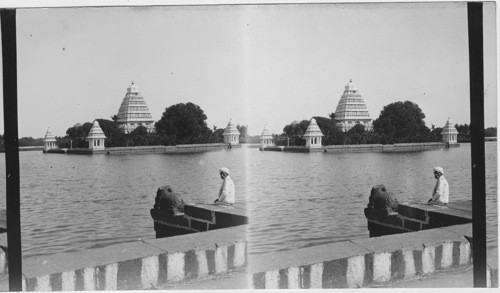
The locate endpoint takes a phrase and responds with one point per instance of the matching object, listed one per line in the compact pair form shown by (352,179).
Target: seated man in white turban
(441,193)
(227,190)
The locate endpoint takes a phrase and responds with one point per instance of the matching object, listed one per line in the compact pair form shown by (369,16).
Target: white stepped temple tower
(313,135)
(134,112)
(351,109)
(96,137)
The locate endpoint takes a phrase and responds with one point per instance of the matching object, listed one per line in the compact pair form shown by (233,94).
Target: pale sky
(256,64)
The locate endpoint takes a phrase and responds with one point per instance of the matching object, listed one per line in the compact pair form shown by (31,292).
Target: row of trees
(186,124)
(464,132)
(179,124)
(398,122)
(24,142)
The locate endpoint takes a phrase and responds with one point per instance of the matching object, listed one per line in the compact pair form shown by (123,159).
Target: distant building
(266,139)
(134,112)
(352,110)
(449,133)
(96,137)
(231,134)
(313,135)
(49,142)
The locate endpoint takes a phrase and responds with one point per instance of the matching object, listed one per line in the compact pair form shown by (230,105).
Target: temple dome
(265,133)
(134,112)
(96,131)
(49,136)
(313,129)
(351,109)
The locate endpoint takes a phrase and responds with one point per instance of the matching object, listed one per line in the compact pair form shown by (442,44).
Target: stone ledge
(138,265)
(359,263)
(412,240)
(198,217)
(304,256)
(418,216)
(464,229)
(200,240)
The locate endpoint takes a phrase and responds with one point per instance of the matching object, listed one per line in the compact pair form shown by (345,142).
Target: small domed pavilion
(49,142)
(96,137)
(449,133)
(266,139)
(313,135)
(231,134)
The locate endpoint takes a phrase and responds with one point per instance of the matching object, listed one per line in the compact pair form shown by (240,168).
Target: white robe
(441,191)
(227,191)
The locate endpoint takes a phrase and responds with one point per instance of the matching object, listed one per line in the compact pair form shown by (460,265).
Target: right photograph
(363,177)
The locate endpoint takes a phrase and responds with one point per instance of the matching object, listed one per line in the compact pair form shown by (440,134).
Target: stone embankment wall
(30,148)
(155,149)
(439,243)
(363,262)
(145,264)
(360,148)
(416,216)
(198,218)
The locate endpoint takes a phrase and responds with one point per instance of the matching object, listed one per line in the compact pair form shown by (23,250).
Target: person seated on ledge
(227,190)
(440,195)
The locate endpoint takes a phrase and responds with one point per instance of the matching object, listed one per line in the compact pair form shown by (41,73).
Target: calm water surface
(301,200)
(75,202)
(71,202)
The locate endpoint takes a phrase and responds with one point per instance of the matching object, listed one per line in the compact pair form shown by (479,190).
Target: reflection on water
(71,202)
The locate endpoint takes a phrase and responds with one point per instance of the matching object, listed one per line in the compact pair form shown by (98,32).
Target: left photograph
(132,148)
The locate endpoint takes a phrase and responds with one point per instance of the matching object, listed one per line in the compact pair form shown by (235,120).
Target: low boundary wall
(360,148)
(198,218)
(144,264)
(155,149)
(416,216)
(360,263)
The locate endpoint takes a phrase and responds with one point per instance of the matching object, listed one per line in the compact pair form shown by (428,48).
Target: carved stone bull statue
(382,200)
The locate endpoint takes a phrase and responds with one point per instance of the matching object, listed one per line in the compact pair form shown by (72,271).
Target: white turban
(439,169)
(225,170)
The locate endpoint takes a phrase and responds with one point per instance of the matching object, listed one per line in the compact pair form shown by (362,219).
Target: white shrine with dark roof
(352,110)
(134,112)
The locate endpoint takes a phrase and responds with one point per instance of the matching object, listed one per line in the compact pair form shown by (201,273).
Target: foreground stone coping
(345,249)
(62,262)
(362,262)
